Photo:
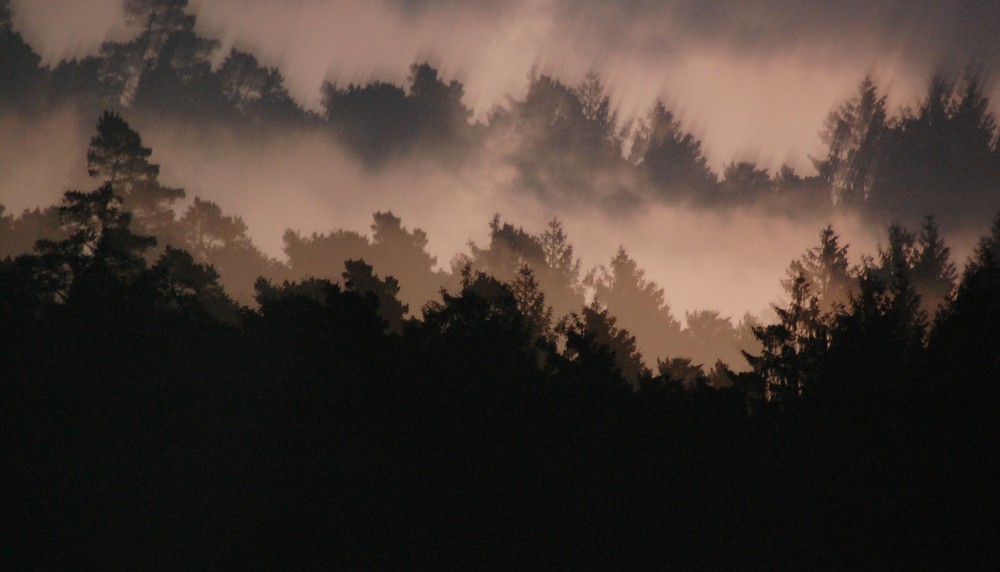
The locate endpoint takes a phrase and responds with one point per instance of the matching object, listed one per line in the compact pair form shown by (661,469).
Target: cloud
(64,29)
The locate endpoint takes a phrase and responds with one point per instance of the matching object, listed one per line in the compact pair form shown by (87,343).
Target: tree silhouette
(825,268)
(320,255)
(480,332)
(358,277)
(382,121)
(549,256)
(254,91)
(942,157)
(167,44)
(191,287)
(933,273)
(794,348)
(560,276)
(682,371)
(671,159)
(562,148)
(965,335)
(895,270)
(876,341)
(117,156)
(403,253)
(853,135)
(709,337)
(744,182)
(101,248)
(596,106)
(638,303)
(22,232)
(531,303)
(509,249)
(606,353)
(437,109)
(21,77)
(371,119)
(223,242)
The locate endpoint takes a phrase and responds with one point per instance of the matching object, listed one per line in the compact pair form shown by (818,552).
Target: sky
(752,79)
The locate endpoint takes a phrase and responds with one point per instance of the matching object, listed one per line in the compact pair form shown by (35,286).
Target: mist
(753,81)
(380,284)
(305,181)
(738,87)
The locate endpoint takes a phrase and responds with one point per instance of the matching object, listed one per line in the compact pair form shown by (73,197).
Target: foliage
(854,134)
(149,421)
(672,159)
(116,156)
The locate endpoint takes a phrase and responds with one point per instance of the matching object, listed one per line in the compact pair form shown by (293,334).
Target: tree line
(150,415)
(171,396)
(118,159)
(566,143)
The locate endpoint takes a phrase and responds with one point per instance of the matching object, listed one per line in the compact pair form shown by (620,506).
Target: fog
(754,80)
(728,261)
(40,158)
(307,183)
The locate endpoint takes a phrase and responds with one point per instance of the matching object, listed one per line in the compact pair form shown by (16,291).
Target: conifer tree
(853,135)
(639,304)
(933,272)
(359,277)
(966,335)
(117,157)
(101,243)
(794,348)
(826,269)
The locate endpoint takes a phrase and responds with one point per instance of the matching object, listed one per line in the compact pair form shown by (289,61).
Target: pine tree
(895,269)
(933,272)
(101,243)
(560,276)
(826,269)
(358,277)
(671,159)
(531,303)
(966,339)
(794,348)
(638,303)
(117,156)
(853,136)
(594,336)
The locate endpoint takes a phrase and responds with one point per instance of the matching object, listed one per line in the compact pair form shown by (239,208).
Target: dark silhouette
(854,135)
(382,121)
(170,397)
(117,156)
(672,159)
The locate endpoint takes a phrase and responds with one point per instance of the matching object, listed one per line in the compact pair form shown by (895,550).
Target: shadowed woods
(151,416)
(170,396)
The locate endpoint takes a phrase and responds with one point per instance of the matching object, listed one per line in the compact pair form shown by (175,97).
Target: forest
(173,396)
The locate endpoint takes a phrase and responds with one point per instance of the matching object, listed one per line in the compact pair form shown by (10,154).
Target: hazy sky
(753,78)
